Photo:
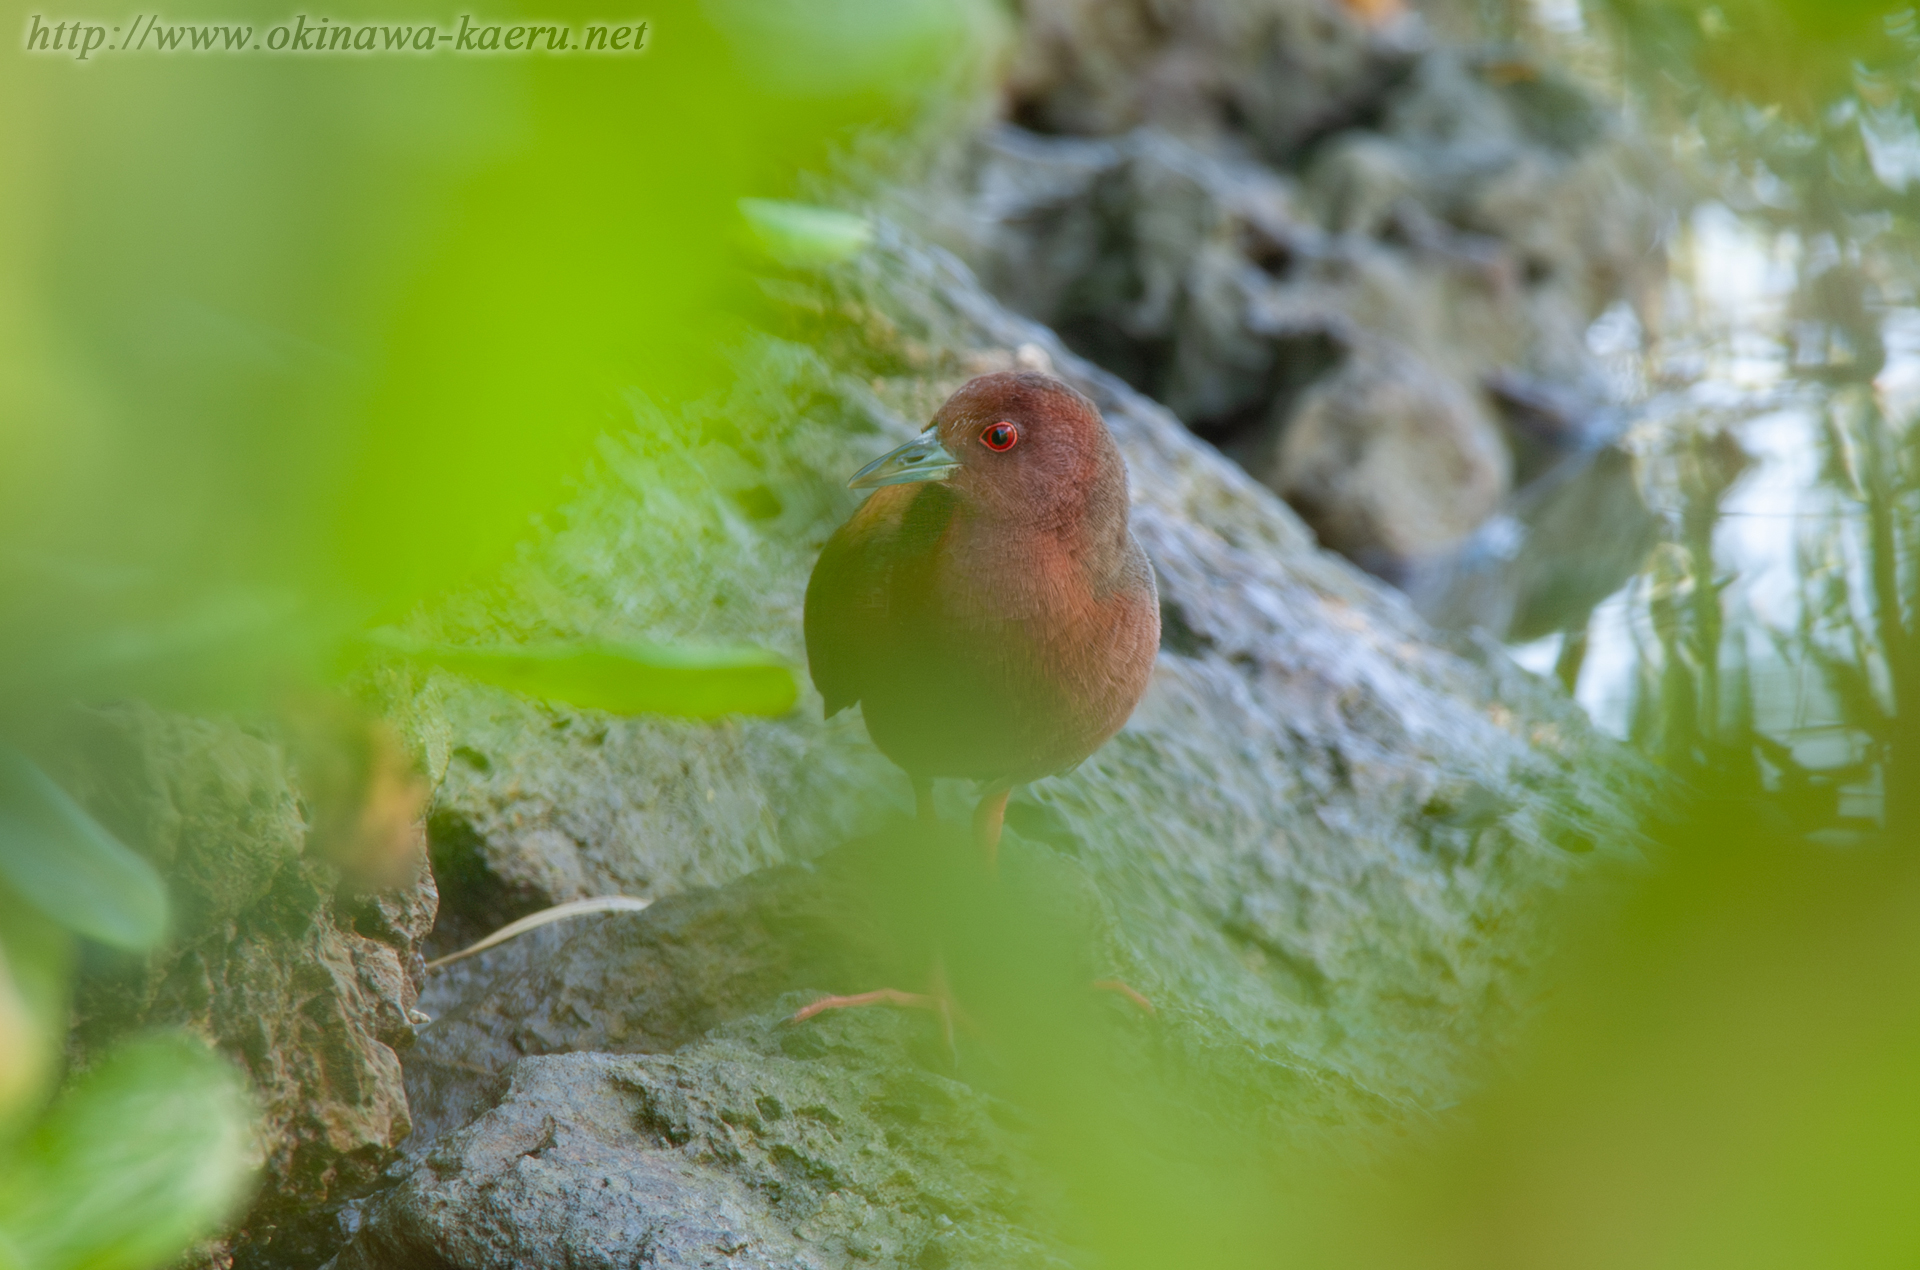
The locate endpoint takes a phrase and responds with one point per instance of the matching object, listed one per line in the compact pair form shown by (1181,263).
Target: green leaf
(70,868)
(800,234)
(693,683)
(901,49)
(36,979)
(145,1154)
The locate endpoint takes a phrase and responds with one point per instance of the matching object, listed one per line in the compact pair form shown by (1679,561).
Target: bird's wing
(842,600)
(847,596)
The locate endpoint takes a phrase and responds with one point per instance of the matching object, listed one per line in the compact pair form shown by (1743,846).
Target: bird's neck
(1084,531)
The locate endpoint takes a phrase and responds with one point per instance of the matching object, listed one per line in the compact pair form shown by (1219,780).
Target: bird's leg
(1126,990)
(988,818)
(923,800)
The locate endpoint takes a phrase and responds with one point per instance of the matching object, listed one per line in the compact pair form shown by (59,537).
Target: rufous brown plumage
(987,606)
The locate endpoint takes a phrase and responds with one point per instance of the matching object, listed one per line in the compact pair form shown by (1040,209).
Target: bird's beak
(921,459)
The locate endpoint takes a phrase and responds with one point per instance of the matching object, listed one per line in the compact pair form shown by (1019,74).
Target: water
(1736,354)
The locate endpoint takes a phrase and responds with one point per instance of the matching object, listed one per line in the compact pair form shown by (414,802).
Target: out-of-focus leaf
(207,651)
(1793,54)
(20,1042)
(36,981)
(338,382)
(61,860)
(694,683)
(1722,1080)
(892,48)
(145,1154)
(800,234)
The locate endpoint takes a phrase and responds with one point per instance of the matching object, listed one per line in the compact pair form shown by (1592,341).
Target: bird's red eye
(1000,436)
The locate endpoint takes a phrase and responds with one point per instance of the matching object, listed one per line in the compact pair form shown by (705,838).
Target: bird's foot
(939,1002)
(1126,990)
(880,996)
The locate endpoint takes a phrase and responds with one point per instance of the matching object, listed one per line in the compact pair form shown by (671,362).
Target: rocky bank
(1293,262)
(1323,844)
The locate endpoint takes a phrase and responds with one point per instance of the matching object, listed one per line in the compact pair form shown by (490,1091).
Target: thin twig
(546,916)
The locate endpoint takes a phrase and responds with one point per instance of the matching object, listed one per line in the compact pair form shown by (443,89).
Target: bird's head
(1019,445)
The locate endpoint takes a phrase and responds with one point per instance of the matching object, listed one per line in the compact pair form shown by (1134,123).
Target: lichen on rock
(1326,843)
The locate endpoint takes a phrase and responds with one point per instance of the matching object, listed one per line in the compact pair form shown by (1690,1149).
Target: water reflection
(1766,396)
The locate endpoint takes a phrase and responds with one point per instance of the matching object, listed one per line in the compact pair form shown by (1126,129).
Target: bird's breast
(1018,661)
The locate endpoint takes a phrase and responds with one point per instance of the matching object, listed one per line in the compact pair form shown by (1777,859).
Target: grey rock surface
(1323,846)
(1389,461)
(859,1136)
(758,1147)
(1326,847)
(1466,214)
(1285,71)
(304,982)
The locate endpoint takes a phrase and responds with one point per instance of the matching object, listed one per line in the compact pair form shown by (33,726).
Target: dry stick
(533,921)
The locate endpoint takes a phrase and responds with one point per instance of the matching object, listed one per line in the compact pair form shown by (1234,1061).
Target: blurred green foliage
(692,683)
(143,1154)
(1795,56)
(1720,1074)
(151,1148)
(288,345)
(1724,1075)
(796,234)
(295,342)
(1721,1070)
(66,865)
(1801,112)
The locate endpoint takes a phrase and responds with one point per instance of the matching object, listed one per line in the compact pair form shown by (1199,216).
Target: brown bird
(988,607)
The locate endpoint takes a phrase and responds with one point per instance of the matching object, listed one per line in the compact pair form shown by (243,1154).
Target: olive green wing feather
(858,584)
